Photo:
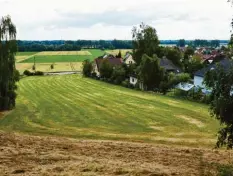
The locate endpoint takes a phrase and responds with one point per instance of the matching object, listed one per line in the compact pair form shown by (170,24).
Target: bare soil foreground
(32,155)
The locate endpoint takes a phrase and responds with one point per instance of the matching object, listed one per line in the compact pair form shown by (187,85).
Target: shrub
(87,68)
(52,67)
(39,73)
(16,75)
(93,75)
(27,73)
(34,67)
(225,171)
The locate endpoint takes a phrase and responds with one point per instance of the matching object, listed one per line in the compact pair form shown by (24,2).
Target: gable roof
(225,63)
(112,60)
(128,54)
(168,65)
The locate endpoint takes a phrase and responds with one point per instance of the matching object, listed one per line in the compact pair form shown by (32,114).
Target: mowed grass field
(78,107)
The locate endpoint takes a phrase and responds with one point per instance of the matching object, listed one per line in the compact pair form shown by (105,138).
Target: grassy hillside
(79,107)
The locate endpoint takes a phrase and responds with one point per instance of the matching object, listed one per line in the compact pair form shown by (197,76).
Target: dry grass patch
(33,155)
(192,121)
(115,52)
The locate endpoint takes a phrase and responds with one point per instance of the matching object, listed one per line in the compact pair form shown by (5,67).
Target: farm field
(115,52)
(62,60)
(73,106)
(46,67)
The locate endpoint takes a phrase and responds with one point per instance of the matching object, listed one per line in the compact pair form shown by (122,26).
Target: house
(112,60)
(128,59)
(169,66)
(133,80)
(199,75)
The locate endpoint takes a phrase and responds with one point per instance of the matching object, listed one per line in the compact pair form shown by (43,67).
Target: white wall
(198,81)
(133,80)
(96,70)
(129,60)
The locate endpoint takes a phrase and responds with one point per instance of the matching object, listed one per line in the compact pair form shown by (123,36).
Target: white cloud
(104,19)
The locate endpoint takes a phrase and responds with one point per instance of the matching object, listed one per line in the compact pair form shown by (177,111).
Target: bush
(52,67)
(16,75)
(87,68)
(27,73)
(39,73)
(34,67)
(225,171)
(93,75)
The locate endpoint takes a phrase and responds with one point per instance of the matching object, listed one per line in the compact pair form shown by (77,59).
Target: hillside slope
(78,107)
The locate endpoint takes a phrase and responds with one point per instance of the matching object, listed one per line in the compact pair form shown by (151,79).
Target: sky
(108,19)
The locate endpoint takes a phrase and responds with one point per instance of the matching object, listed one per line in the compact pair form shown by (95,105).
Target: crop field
(46,67)
(115,52)
(63,53)
(57,58)
(77,107)
(62,56)
(25,53)
(21,56)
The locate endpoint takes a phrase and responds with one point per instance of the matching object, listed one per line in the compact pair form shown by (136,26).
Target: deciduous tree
(145,41)
(220,82)
(8,74)
(150,72)
(87,68)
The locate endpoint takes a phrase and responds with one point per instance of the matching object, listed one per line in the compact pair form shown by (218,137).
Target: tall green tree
(150,72)
(194,64)
(8,77)
(189,52)
(87,68)
(106,69)
(220,82)
(174,55)
(145,41)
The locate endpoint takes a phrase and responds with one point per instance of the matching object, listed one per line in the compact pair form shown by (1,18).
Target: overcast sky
(108,19)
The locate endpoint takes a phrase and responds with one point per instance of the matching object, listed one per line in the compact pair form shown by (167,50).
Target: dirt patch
(32,155)
(192,121)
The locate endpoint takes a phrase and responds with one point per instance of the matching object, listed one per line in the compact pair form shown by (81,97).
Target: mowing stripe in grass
(74,106)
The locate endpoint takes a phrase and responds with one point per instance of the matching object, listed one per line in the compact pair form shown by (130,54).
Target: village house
(164,63)
(199,75)
(112,60)
(128,59)
(169,66)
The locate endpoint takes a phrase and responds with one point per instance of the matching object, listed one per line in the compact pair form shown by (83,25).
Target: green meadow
(83,108)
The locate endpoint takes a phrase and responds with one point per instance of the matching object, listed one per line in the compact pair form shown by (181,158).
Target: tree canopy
(220,81)
(151,74)
(8,73)
(145,41)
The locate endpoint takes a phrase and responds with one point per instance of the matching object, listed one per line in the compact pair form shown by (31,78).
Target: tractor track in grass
(50,156)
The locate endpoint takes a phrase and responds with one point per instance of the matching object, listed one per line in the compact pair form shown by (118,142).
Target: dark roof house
(169,66)
(225,63)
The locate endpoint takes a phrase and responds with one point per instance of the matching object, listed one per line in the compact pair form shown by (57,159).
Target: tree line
(69,45)
(200,43)
(62,45)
